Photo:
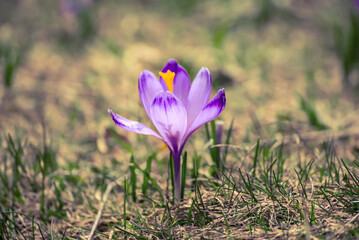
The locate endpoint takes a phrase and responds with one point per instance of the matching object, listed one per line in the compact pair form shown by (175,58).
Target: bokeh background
(290,69)
(287,67)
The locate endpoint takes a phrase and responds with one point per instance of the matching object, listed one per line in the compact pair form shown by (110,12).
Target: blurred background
(287,67)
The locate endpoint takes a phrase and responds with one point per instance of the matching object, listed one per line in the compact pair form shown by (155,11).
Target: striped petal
(132,126)
(199,94)
(148,87)
(170,118)
(211,111)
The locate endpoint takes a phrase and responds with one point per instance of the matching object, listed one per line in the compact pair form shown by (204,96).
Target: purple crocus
(176,107)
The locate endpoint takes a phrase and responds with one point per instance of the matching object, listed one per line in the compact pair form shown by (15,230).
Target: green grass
(264,198)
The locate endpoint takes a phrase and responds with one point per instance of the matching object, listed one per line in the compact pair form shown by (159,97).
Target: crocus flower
(176,107)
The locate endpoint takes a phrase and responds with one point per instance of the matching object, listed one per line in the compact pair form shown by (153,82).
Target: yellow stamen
(168,77)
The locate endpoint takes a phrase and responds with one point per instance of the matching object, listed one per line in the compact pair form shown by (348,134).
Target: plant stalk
(177,172)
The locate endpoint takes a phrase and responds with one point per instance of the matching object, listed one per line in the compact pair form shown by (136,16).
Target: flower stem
(177,172)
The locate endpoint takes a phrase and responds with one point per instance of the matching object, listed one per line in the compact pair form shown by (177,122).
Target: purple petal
(148,87)
(181,82)
(208,113)
(170,118)
(132,126)
(199,94)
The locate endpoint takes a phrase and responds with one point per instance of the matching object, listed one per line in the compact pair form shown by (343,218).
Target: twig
(99,213)
(353,219)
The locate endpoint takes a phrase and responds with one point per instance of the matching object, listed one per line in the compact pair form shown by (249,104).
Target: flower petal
(132,126)
(148,87)
(170,118)
(212,110)
(199,94)
(181,81)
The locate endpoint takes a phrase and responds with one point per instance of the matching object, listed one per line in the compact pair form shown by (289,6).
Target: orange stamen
(168,77)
